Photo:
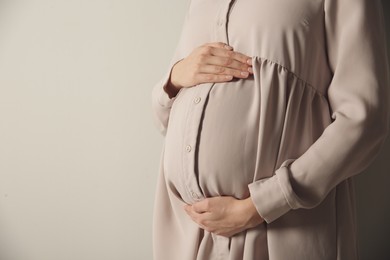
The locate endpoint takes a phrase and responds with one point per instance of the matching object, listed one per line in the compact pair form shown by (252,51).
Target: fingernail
(229,77)
(228,47)
(244,73)
(250,69)
(249,61)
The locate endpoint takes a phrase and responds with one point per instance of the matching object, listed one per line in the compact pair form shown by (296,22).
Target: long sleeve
(358,95)
(161,102)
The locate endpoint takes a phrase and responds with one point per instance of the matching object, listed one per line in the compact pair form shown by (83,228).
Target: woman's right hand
(210,62)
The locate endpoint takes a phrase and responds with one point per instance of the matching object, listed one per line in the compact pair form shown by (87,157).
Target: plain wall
(78,149)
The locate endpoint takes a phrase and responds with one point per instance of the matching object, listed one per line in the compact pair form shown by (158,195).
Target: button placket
(194,115)
(191,134)
(221,22)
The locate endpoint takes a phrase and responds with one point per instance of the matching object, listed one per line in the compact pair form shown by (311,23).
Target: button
(197,100)
(188,148)
(194,195)
(221,22)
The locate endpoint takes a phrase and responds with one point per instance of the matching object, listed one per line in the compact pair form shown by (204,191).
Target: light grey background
(78,150)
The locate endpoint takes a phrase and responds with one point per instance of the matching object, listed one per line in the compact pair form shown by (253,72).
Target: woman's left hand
(225,215)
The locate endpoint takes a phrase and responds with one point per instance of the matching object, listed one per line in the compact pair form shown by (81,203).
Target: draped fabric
(291,136)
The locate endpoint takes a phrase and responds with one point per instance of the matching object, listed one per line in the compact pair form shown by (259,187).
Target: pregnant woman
(268,109)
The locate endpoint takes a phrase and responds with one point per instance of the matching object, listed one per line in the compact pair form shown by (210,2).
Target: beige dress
(314,114)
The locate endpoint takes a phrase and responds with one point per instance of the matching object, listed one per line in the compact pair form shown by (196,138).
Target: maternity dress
(314,113)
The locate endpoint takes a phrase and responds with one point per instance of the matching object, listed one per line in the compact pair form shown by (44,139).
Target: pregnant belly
(225,152)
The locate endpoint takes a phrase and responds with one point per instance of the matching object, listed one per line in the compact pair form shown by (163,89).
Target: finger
(232,54)
(212,78)
(213,69)
(202,219)
(224,50)
(201,206)
(219,45)
(200,214)
(226,62)
(196,217)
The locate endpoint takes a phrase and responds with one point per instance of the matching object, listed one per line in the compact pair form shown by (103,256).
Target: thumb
(201,206)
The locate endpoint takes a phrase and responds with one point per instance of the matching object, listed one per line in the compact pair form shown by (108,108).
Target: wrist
(253,217)
(171,89)
(174,85)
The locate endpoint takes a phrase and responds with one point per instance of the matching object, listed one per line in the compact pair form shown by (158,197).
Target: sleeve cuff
(270,196)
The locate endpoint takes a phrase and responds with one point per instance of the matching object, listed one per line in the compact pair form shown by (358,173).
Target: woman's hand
(211,62)
(224,216)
